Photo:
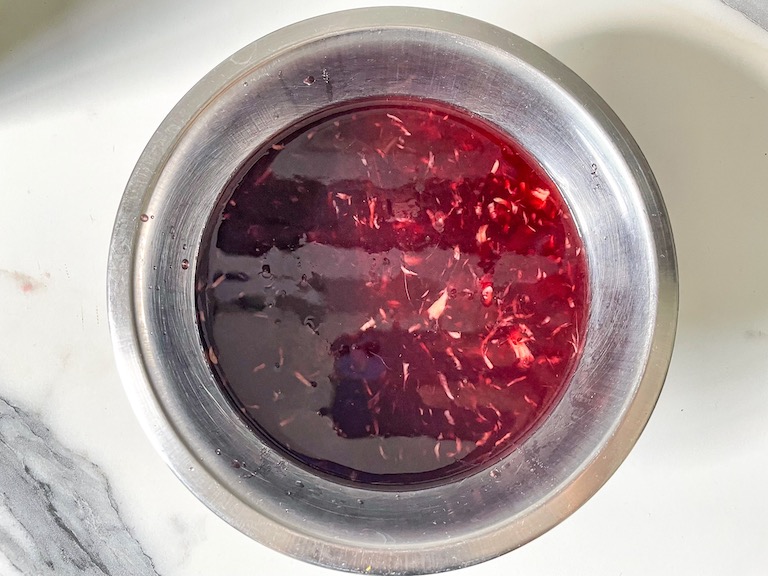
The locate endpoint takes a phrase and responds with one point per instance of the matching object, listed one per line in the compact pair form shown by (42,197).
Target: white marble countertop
(83,85)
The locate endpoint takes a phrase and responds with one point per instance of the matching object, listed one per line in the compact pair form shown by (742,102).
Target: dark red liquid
(393,293)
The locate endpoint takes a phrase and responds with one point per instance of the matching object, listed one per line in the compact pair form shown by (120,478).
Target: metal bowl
(509,83)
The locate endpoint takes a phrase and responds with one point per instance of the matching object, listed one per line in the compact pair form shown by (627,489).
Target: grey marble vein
(754,10)
(57,513)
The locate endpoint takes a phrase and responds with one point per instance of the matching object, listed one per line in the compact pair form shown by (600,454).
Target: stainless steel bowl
(506,81)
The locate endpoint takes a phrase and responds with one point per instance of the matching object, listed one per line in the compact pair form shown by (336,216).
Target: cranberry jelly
(392,293)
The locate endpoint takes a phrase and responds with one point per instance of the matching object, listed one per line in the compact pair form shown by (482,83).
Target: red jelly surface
(392,293)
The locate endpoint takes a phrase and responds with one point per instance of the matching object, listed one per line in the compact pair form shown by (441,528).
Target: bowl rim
(169,436)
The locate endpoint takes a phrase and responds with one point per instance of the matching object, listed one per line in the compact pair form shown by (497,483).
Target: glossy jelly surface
(393,293)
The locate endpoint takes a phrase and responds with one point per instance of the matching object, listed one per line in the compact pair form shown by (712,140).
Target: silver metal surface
(510,83)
